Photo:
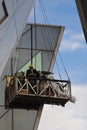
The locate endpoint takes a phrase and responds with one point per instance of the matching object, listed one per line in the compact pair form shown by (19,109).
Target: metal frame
(43,91)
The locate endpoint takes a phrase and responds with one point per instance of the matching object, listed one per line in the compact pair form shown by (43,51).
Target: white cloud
(72,42)
(70,117)
(79,37)
(68,45)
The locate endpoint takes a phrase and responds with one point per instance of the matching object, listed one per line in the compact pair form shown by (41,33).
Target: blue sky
(73,50)
(73,47)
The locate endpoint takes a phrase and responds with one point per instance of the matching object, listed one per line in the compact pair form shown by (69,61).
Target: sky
(73,50)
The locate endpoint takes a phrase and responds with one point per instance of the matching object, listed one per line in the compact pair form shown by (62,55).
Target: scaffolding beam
(38,116)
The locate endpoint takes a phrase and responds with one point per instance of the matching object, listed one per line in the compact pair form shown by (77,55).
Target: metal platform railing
(37,87)
(45,87)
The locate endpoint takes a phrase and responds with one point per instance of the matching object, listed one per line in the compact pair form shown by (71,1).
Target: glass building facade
(44,42)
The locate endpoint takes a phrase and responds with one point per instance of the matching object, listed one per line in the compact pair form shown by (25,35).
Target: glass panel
(36,63)
(6,121)
(44,41)
(24,119)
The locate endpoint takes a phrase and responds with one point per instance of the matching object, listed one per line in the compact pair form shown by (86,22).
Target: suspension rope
(48,33)
(64,66)
(59,72)
(35,33)
(46,19)
(43,11)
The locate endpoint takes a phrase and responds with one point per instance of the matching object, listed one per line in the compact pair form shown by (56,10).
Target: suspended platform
(30,94)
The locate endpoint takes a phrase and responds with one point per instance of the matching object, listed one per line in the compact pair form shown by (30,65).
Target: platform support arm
(38,116)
